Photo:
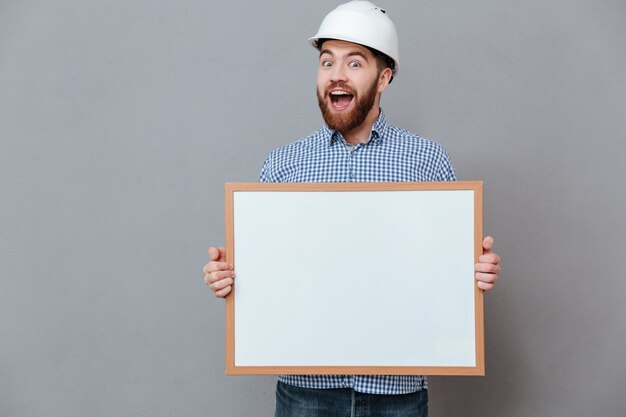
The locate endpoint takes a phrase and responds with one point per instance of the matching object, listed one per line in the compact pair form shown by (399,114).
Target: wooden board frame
(233,369)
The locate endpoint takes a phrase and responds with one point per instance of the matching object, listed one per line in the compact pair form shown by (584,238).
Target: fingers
(222,287)
(218,274)
(215,266)
(486,277)
(220,282)
(487,274)
(223,293)
(485,286)
(490,258)
(486,281)
(487,267)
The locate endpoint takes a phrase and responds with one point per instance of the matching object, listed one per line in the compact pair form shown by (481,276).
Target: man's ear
(384,79)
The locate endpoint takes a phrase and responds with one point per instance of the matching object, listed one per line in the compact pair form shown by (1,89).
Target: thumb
(487,244)
(216,254)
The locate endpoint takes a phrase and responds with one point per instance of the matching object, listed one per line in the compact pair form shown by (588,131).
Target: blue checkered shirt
(390,155)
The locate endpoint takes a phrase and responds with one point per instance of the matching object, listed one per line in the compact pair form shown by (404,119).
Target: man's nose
(338,73)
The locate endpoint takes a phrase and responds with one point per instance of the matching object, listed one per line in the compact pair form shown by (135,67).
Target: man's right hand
(218,274)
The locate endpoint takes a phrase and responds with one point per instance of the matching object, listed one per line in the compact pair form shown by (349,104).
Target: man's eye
(327,64)
(354,64)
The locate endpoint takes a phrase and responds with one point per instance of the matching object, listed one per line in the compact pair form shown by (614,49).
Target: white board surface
(355,278)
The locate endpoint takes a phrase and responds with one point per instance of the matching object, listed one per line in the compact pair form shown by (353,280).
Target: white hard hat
(364,23)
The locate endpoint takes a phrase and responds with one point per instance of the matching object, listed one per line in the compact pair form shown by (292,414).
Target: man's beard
(344,122)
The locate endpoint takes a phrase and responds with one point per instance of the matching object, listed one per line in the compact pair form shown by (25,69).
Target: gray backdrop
(121,120)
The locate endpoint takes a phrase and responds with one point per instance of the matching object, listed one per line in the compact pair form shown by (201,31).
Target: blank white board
(354,278)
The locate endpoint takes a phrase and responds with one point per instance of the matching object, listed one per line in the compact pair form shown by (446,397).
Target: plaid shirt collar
(377,135)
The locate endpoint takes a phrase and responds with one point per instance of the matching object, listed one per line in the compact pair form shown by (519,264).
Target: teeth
(340,93)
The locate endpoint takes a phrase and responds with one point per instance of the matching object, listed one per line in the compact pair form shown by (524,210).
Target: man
(358,59)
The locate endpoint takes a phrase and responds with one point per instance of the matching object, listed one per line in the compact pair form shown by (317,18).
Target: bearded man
(358,58)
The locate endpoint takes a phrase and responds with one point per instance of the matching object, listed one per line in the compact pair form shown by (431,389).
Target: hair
(383,61)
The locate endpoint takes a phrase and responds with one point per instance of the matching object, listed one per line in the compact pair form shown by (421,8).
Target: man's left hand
(488,266)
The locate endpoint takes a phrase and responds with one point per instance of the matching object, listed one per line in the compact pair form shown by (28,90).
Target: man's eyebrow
(357,53)
(354,53)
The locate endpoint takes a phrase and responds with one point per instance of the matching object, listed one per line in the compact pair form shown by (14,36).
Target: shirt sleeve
(266,175)
(445,170)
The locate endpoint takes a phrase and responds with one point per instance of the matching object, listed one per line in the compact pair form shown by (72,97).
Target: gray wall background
(121,120)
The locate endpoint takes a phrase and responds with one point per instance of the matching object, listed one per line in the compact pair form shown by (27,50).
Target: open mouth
(340,99)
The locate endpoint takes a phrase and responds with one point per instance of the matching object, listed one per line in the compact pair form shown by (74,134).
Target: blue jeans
(344,402)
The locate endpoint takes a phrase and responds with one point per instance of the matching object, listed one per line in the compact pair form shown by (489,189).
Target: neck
(362,132)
